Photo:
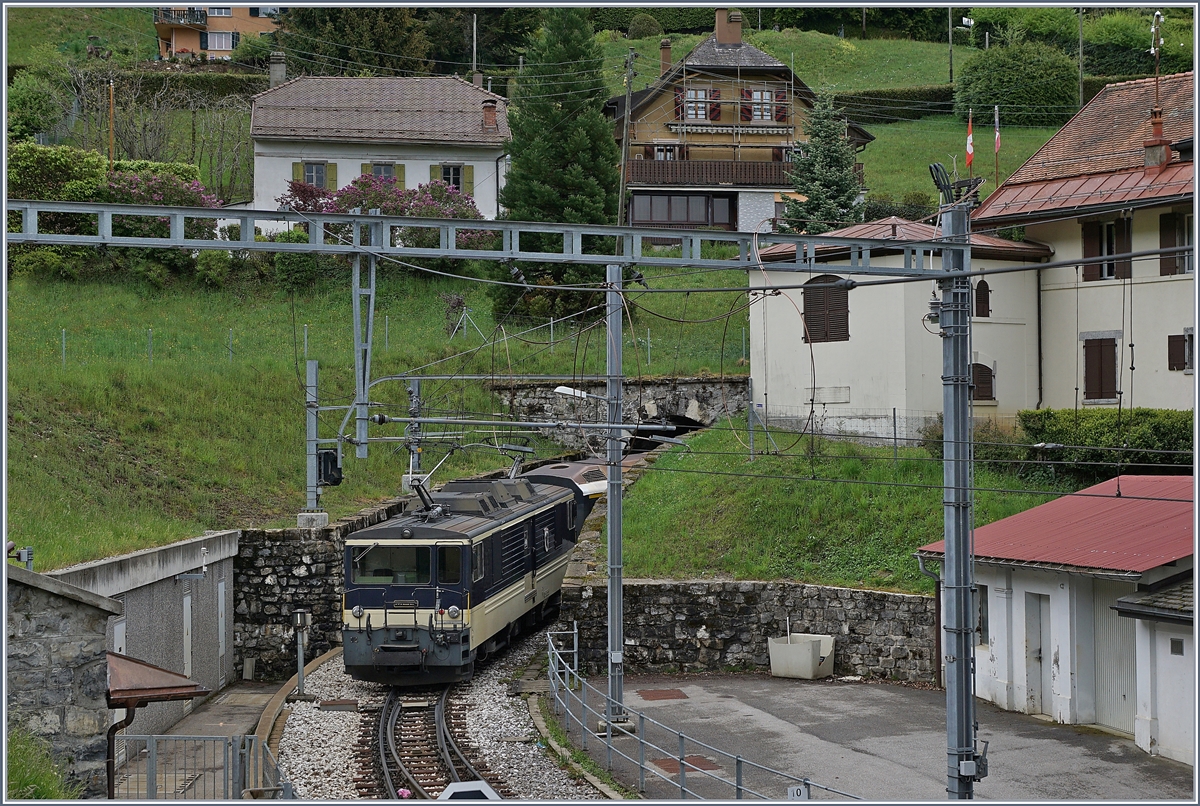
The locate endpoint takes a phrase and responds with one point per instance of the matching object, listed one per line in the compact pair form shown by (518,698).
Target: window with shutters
(220,40)
(1179,352)
(1104,239)
(697,104)
(666,152)
(452,175)
(826,310)
(314,173)
(761,102)
(384,170)
(1174,230)
(1100,369)
(983,300)
(983,382)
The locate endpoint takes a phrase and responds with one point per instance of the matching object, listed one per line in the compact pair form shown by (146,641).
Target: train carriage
(430,591)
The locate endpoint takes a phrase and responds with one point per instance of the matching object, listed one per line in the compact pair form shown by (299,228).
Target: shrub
(675,19)
(1033,84)
(1136,430)
(32,772)
(213,267)
(33,106)
(913,205)
(180,170)
(295,270)
(896,103)
(254,50)
(41,172)
(42,263)
(642,26)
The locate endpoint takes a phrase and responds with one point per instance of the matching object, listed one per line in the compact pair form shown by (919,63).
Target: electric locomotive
(438,587)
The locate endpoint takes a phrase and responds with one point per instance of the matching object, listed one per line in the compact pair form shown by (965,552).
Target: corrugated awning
(133,682)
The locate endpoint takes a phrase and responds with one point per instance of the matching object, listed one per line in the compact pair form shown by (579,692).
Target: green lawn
(845,515)
(898,160)
(111,453)
(128,32)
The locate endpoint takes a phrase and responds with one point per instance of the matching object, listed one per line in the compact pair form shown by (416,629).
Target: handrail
(563,682)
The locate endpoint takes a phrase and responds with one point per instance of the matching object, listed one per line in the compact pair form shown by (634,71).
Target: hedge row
(675,19)
(1093,84)
(896,103)
(212,86)
(1136,430)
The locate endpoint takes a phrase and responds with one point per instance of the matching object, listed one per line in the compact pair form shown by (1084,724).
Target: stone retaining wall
(711,626)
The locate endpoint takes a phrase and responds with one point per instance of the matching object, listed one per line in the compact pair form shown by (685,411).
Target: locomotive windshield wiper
(364,552)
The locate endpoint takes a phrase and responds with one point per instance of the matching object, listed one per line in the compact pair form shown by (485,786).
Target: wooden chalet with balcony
(711,140)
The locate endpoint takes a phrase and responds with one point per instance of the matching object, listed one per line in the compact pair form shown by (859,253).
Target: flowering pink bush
(434,200)
(157,190)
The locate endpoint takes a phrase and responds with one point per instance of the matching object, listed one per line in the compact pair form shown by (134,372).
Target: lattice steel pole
(310,443)
(616,614)
(962,763)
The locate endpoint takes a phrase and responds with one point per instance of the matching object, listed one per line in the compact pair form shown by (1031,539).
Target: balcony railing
(174,16)
(714,172)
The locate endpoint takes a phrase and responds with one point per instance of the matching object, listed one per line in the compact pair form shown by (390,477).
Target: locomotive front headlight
(357,611)
(453,612)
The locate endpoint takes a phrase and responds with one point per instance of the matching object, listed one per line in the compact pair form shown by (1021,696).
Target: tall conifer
(823,172)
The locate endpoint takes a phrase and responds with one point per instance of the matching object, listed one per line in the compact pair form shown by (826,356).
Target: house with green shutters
(328,130)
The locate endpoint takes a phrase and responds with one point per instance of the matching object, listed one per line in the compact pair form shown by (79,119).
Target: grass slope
(110,453)
(844,515)
(128,32)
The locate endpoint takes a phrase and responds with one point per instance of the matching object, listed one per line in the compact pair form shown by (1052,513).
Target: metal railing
(197,768)
(662,753)
(169,16)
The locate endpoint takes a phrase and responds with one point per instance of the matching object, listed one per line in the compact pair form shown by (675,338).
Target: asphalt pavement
(879,741)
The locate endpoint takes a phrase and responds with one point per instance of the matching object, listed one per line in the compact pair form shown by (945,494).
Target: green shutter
(204,40)
(235,39)
(468,180)
(400,175)
(366,169)
(331,176)
(297,171)
(435,173)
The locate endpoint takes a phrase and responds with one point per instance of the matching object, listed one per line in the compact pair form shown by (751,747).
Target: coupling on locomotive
(452,579)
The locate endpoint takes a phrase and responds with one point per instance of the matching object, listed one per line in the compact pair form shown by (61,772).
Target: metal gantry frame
(964,763)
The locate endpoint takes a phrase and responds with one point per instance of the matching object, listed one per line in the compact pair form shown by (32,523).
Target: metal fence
(661,754)
(197,768)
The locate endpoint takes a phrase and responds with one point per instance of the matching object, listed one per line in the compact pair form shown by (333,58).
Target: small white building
(327,131)
(1069,621)
(1117,179)
(860,353)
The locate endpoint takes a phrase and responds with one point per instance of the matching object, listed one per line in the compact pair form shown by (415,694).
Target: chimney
(477,79)
(729,27)
(489,113)
(664,56)
(278,70)
(1158,148)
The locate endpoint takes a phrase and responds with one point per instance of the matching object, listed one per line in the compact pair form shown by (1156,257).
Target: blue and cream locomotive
(430,591)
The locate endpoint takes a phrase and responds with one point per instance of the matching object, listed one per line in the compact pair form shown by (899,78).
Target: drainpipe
(111,761)
(1039,335)
(937,617)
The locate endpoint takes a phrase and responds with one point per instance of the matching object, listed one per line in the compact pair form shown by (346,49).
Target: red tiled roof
(1086,532)
(901,229)
(1098,157)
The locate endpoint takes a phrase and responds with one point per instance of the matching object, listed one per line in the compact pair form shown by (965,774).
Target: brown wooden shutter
(680,99)
(837,316)
(826,310)
(776,155)
(648,152)
(1100,369)
(982,384)
(1168,238)
(747,112)
(814,314)
(1091,248)
(781,110)
(714,108)
(1176,352)
(983,300)
(1108,369)
(1124,239)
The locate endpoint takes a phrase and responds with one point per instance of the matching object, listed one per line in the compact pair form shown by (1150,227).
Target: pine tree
(354,41)
(823,172)
(564,157)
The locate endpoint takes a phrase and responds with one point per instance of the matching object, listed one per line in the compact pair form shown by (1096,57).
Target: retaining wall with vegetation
(713,626)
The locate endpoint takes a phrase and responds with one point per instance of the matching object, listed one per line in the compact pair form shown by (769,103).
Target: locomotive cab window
(389,564)
(449,565)
(478,561)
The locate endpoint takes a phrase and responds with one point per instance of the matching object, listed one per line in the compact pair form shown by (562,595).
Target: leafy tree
(332,41)
(500,36)
(823,172)
(644,25)
(564,156)
(1033,83)
(32,108)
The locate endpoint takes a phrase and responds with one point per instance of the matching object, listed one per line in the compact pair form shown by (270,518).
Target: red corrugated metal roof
(1051,197)
(1119,534)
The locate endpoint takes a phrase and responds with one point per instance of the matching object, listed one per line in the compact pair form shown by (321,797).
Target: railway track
(420,745)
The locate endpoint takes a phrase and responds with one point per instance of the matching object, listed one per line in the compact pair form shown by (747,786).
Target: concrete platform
(876,740)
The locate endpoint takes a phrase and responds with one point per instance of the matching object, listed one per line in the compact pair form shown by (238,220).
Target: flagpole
(997,146)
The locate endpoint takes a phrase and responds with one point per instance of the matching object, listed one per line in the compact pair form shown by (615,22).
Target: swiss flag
(970,142)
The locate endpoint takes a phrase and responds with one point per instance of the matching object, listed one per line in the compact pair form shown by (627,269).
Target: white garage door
(1116,663)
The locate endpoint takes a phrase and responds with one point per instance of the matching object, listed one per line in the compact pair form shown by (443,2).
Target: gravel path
(316,749)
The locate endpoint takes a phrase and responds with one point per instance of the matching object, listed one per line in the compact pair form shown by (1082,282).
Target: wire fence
(197,768)
(665,761)
(894,427)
